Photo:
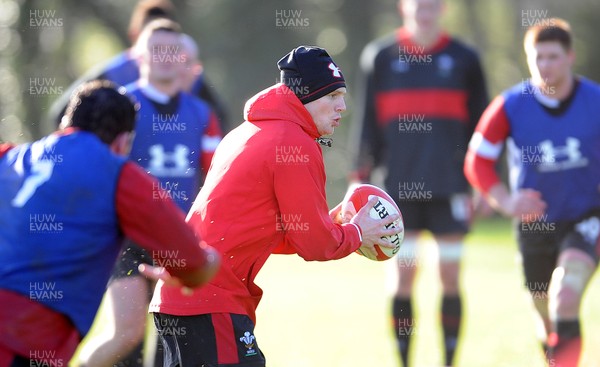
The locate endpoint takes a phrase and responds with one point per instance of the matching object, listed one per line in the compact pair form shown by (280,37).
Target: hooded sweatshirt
(264,194)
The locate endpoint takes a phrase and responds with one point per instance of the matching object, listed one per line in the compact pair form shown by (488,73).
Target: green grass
(338,313)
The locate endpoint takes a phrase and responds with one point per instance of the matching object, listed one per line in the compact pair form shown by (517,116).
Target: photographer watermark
(290,18)
(168,191)
(536,17)
(42,86)
(168,259)
(44,18)
(168,54)
(45,223)
(45,291)
(288,222)
(294,87)
(414,191)
(167,123)
(407,257)
(537,223)
(540,91)
(291,154)
(170,326)
(413,55)
(407,327)
(46,358)
(413,123)
(538,290)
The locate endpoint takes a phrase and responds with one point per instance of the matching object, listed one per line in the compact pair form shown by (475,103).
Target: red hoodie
(264,194)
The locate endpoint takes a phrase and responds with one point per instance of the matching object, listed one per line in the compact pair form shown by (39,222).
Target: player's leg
(450,247)
(449,221)
(576,265)
(539,253)
(209,340)
(126,308)
(126,305)
(403,320)
(569,280)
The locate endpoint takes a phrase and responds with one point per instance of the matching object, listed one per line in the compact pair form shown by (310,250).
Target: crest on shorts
(248,340)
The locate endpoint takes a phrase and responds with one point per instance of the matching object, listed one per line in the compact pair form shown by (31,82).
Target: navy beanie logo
(310,73)
(335,69)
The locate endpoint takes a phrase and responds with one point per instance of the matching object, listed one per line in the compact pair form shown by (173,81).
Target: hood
(278,103)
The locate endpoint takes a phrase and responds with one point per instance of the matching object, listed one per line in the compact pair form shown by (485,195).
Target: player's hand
(343,212)
(374,229)
(526,205)
(481,207)
(160,273)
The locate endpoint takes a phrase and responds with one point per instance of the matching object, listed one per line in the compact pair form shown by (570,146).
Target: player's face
(549,63)
(327,111)
(421,14)
(165,56)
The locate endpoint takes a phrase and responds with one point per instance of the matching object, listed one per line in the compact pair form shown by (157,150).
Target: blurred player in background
(176,136)
(422,93)
(264,194)
(552,129)
(123,68)
(195,82)
(69,198)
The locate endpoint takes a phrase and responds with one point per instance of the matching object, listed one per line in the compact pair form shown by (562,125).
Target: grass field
(337,313)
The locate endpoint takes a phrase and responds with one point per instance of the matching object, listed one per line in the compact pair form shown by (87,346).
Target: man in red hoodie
(264,194)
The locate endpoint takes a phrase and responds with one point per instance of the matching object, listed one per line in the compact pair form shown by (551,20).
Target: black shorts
(129,259)
(540,244)
(439,216)
(210,340)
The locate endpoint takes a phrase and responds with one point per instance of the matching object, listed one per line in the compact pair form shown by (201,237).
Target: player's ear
(198,68)
(122,143)
(571,56)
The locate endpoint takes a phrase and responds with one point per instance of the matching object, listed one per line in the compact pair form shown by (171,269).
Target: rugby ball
(359,195)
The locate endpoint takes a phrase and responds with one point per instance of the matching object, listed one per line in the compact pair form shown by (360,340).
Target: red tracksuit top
(264,194)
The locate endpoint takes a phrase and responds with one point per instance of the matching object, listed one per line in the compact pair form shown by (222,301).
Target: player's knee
(450,253)
(407,256)
(407,263)
(450,283)
(566,303)
(131,337)
(566,290)
(449,262)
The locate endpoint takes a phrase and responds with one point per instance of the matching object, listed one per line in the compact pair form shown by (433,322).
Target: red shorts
(30,331)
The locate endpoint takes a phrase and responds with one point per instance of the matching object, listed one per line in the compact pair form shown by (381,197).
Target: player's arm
(4,148)
(480,165)
(484,150)
(310,231)
(157,224)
